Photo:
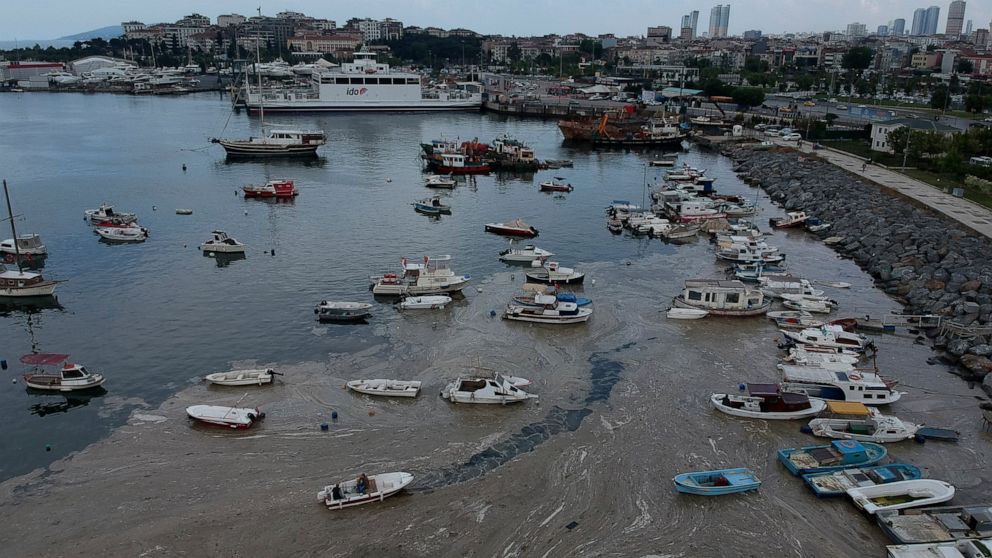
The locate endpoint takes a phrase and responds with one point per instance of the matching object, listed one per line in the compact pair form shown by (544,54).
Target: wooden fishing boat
(794,319)
(716,483)
(722,298)
(901,495)
(363,490)
(840,382)
(767,401)
(232,417)
(686,313)
(527,254)
(386,388)
(836,483)
(840,454)
(548,309)
(553,273)
(337,311)
(68,376)
(791,219)
(242,377)
(435,302)
(938,524)
(279,188)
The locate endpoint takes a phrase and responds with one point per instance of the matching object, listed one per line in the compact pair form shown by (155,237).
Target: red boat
(280,188)
(514,228)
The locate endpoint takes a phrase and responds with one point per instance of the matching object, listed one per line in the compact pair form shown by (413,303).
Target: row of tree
(948,154)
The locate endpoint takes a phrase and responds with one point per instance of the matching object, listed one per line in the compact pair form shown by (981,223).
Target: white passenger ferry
(364,85)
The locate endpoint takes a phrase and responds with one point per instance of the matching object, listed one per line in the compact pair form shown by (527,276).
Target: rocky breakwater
(929,263)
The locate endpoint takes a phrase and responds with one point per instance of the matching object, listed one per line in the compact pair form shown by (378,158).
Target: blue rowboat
(716,483)
(836,483)
(839,454)
(528,300)
(426,209)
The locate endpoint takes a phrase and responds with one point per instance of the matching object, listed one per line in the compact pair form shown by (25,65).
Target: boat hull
(46,288)
(252,150)
(874,454)
(46,382)
(425,105)
(816,406)
(836,483)
(738,480)
(222,248)
(756,311)
(510,231)
(388,484)
(575,279)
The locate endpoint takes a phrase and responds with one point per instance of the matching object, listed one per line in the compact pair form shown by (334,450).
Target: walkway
(968,213)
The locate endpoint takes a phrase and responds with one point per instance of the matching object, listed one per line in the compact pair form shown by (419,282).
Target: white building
(855,30)
(228,20)
(90,64)
(131,26)
(880,130)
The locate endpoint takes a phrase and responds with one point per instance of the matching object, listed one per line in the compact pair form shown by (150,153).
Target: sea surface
(156,316)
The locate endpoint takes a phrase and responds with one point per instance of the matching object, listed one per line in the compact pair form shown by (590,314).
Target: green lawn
(862,149)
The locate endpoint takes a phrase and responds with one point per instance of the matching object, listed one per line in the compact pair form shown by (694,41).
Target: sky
(50,19)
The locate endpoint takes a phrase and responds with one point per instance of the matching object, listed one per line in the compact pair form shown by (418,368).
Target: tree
(965,66)
(748,96)
(939,98)
(830,118)
(975,103)
(514,53)
(858,58)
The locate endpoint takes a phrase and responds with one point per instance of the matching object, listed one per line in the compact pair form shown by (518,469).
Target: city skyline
(630,18)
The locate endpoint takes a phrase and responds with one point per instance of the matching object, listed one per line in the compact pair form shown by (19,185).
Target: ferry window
(412,81)
(341,81)
(851,388)
(385,81)
(357,81)
(371,81)
(695,295)
(733,298)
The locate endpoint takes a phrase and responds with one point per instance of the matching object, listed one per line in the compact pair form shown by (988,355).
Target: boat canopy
(855,408)
(44,358)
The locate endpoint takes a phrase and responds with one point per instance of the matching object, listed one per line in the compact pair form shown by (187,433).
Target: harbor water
(585,470)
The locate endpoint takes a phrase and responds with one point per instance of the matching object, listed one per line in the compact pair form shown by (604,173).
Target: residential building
(375,31)
(926,60)
(933,14)
(955,18)
(980,37)
(659,35)
(228,20)
(981,64)
(129,27)
(856,29)
(919,21)
(752,34)
(898,27)
(948,58)
(338,44)
(194,20)
(686,34)
(880,130)
(724,20)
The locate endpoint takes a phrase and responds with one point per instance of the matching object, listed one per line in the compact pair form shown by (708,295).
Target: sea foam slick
(364,85)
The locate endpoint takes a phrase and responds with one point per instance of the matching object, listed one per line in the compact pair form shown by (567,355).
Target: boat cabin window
(357,81)
(73,373)
(733,298)
(695,295)
(412,81)
(371,81)
(341,81)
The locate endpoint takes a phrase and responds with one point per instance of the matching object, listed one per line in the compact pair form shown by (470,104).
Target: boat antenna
(10,215)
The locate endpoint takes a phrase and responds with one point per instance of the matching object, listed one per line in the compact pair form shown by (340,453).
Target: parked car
(841,107)
(771,133)
(809,104)
(792,137)
(760,127)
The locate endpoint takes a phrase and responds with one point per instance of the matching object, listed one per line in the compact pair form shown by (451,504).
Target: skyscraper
(919,21)
(689,21)
(856,29)
(882,31)
(955,18)
(724,20)
(967,29)
(715,21)
(933,14)
(898,27)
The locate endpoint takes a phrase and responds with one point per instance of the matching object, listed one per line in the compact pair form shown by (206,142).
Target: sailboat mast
(258,60)
(13,230)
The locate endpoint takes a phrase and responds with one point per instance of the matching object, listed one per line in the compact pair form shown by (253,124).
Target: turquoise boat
(836,483)
(716,483)
(840,454)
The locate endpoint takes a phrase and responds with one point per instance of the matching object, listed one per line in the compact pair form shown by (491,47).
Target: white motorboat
(481,390)
(554,274)
(901,495)
(794,319)
(830,336)
(220,242)
(837,384)
(432,276)
(722,298)
(855,421)
(435,302)
(517,227)
(528,253)
(336,311)
(547,309)
(439,181)
(767,401)
(968,548)
(386,388)
(686,313)
(184,211)
(803,303)
(232,417)
(106,213)
(791,219)
(123,234)
(242,377)
(68,377)
(787,284)
(809,355)
(363,490)
(27,244)
(680,231)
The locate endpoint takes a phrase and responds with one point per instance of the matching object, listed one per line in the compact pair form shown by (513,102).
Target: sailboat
(21,283)
(281,142)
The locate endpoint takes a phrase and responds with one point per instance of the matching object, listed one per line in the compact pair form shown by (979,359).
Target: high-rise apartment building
(856,30)
(955,18)
(967,29)
(925,21)
(933,14)
(689,21)
(882,30)
(898,27)
(719,20)
(919,21)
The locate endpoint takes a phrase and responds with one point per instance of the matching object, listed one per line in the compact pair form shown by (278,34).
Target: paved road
(970,214)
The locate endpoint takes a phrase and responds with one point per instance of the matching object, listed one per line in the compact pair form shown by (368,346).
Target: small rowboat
(686,313)
(840,454)
(836,483)
(901,495)
(123,234)
(376,489)
(716,483)
(242,377)
(184,212)
(386,388)
(233,417)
